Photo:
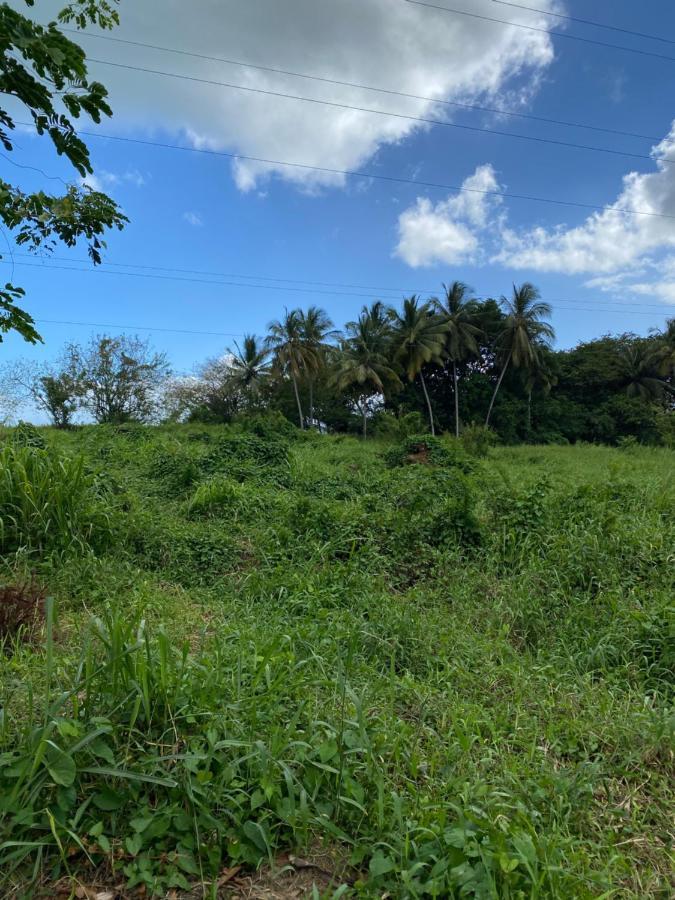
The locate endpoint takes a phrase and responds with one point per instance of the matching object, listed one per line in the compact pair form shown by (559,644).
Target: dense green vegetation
(446,365)
(453,672)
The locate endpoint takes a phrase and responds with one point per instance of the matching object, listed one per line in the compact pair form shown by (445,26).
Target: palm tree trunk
(454,378)
(426,397)
(364,410)
(297,400)
(497,386)
(311,401)
(529,412)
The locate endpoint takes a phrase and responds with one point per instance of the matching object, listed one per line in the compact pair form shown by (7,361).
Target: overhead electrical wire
(139,328)
(102,271)
(127,265)
(334,104)
(375,289)
(393,179)
(556,34)
(609,27)
(366,87)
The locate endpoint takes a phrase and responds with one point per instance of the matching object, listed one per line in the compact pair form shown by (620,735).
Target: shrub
(388,425)
(27,435)
(270,424)
(432,507)
(477,440)
(426,450)
(48,502)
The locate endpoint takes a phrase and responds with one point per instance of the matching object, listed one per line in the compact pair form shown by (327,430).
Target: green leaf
(507,863)
(133,844)
(381,864)
(108,800)
(130,776)
(60,765)
(255,833)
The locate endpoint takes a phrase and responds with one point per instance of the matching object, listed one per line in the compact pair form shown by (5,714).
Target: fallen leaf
(227,875)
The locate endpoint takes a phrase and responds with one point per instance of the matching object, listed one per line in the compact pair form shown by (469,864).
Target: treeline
(450,362)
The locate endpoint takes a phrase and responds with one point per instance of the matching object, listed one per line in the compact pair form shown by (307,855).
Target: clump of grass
(48,503)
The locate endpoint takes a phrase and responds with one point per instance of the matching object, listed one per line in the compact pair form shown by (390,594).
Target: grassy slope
(480,712)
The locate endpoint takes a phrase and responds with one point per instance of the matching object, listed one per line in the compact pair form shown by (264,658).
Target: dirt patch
(291,878)
(22,610)
(418,455)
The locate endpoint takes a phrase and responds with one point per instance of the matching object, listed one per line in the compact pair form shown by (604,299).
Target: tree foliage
(45,72)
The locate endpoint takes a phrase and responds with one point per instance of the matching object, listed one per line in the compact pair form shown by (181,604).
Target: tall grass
(455,678)
(48,502)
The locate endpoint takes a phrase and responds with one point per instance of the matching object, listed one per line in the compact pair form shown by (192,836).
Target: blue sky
(192,211)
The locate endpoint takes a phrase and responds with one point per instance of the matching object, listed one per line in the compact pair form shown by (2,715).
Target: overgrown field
(447,674)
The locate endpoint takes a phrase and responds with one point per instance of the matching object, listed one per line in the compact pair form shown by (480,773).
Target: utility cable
(366,87)
(556,34)
(292,290)
(392,179)
(547,12)
(333,104)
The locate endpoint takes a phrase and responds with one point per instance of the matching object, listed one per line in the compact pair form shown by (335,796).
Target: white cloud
(396,45)
(447,232)
(621,253)
(101,180)
(611,240)
(193,218)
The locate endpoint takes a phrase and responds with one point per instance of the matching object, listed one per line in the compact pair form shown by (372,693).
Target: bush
(431,507)
(388,425)
(427,450)
(27,435)
(271,424)
(477,440)
(48,502)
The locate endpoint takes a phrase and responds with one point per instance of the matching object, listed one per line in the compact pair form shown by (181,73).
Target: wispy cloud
(192,218)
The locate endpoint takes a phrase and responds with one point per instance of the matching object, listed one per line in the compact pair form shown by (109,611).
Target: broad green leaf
(60,765)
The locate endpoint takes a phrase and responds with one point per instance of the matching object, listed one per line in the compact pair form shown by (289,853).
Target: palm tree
(665,349)
(363,365)
(317,330)
(458,312)
(293,356)
(249,364)
(418,338)
(523,332)
(640,370)
(539,376)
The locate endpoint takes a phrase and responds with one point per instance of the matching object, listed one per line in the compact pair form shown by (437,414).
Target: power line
(546,12)
(365,87)
(153,276)
(393,179)
(375,289)
(557,34)
(264,287)
(334,104)
(127,265)
(139,328)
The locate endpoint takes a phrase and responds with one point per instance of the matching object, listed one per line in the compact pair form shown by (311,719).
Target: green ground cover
(454,675)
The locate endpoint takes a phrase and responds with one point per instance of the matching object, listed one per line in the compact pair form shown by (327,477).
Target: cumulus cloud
(619,252)
(193,218)
(448,231)
(611,240)
(396,45)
